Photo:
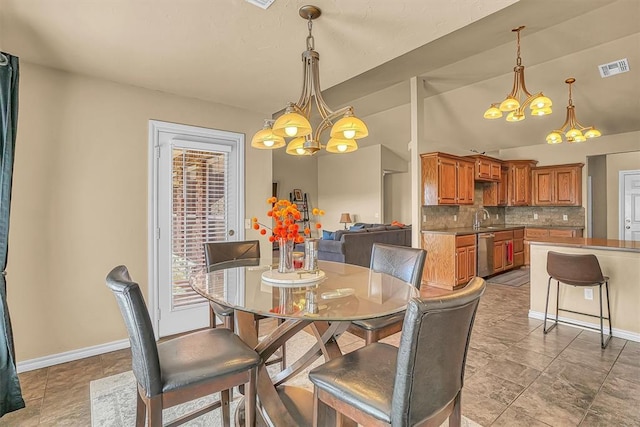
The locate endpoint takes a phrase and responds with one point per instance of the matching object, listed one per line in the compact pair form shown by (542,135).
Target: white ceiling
(234,53)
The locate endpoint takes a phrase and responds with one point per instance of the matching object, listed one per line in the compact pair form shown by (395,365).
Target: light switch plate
(588,294)
(565,217)
(535,216)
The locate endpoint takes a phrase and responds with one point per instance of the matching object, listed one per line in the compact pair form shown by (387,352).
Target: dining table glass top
(335,292)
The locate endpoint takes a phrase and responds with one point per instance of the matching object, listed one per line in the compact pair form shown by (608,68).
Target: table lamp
(344,219)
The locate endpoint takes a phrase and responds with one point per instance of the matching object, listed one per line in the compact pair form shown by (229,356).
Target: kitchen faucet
(476,221)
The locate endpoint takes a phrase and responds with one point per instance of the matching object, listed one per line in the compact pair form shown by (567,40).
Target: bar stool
(576,270)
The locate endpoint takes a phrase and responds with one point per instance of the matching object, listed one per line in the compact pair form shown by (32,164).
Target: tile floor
(516,376)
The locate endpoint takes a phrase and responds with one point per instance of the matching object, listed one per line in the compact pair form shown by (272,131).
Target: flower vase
(285,264)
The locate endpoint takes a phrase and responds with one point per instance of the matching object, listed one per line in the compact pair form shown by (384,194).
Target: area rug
(113,399)
(512,278)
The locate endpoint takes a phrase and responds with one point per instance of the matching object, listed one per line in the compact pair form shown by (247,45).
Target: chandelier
(294,123)
(571,128)
(514,103)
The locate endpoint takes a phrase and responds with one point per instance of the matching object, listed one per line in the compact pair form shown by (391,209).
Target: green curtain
(10,394)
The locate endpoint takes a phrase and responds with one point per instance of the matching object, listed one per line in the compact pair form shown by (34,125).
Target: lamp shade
(336,145)
(349,127)
(292,124)
(296,148)
(265,139)
(345,218)
(493,112)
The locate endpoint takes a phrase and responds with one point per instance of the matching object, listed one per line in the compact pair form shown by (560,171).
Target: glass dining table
(324,301)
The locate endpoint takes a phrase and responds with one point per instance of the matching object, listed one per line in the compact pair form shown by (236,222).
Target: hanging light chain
(310,39)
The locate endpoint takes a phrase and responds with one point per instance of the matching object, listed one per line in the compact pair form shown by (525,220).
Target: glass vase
(285,264)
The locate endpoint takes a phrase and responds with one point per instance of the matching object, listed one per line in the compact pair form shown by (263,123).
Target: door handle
(231,232)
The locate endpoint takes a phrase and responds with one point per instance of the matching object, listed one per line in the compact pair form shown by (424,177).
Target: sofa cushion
(331,246)
(378,228)
(339,233)
(328,235)
(355,227)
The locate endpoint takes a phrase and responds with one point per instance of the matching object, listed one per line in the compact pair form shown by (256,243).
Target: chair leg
(226,411)
(455,419)
(606,287)
(323,414)
(140,410)
(546,309)
(229,322)
(212,318)
(154,411)
(250,399)
(603,342)
(370,336)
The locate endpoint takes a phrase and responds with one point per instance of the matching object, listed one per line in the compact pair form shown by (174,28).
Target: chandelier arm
(305,96)
(523,86)
(323,108)
(328,121)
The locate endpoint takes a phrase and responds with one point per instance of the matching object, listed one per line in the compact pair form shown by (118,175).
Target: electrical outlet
(424,218)
(588,294)
(497,216)
(455,218)
(565,217)
(535,216)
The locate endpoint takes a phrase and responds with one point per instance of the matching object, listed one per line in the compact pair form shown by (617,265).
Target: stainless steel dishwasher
(485,254)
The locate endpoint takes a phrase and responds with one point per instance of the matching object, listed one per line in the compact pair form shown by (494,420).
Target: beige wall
(615,164)
(350,183)
(80,202)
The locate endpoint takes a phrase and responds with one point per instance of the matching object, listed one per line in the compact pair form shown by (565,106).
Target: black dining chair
(217,252)
(418,383)
(403,263)
(185,368)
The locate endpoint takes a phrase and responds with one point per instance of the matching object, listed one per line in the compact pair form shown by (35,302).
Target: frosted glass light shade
(492,112)
(541,111)
(592,133)
(541,102)
(554,138)
(292,124)
(509,104)
(513,117)
(339,146)
(349,127)
(572,133)
(265,139)
(295,147)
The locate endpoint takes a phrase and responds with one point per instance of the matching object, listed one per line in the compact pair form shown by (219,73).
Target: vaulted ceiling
(231,52)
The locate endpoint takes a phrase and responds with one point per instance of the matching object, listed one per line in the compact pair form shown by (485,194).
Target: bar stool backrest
(576,270)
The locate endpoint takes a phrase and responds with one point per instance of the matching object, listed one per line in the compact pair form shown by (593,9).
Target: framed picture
(297,195)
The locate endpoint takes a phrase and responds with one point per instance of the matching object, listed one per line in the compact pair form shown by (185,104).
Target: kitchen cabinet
(486,168)
(531,233)
(503,251)
(519,182)
(518,248)
(496,193)
(446,180)
(451,259)
(558,185)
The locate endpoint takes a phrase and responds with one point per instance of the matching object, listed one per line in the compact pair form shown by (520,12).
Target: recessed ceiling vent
(613,68)
(264,4)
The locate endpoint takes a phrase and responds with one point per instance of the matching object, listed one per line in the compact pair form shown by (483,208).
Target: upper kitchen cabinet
(497,193)
(486,168)
(519,182)
(446,179)
(559,185)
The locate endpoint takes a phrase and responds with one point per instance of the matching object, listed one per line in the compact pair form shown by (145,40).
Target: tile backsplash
(435,217)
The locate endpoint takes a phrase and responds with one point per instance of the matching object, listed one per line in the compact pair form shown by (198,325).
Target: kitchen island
(620,260)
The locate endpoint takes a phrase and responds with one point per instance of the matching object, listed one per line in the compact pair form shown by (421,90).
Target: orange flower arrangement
(285,214)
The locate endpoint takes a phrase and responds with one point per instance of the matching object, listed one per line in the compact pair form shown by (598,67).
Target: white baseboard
(619,333)
(68,356)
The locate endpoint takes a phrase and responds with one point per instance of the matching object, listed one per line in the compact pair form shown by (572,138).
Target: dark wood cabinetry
(559,185)
(446,180)
(497,193)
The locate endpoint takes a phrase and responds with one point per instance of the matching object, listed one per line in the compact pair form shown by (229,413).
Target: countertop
(497,227)
(589,243)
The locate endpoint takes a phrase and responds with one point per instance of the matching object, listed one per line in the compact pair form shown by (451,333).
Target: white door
(198,194)
(630,205)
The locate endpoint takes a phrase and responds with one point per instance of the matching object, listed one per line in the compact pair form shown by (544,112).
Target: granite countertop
(496,227)
(590,243)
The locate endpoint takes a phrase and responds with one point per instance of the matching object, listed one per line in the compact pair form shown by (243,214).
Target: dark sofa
(354,246)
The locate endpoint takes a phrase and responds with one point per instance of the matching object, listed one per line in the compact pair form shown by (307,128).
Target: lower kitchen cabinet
(451,259)
(531,233)
(503,251)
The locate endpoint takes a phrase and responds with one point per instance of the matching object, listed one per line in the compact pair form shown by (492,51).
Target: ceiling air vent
(264,4)
(613,68)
